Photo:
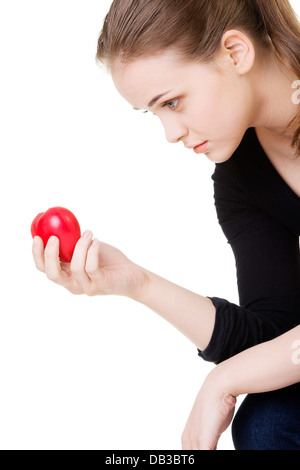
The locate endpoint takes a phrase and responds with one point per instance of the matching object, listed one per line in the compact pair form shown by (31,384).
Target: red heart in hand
(61,223)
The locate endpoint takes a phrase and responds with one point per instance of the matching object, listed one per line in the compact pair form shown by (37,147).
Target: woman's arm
(269,366)
(100,269)
(263,368)
(192,314)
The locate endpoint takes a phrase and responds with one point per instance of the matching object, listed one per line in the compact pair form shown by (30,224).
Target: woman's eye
(172,104)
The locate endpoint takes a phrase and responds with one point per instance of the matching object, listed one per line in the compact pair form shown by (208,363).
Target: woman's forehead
(154,75)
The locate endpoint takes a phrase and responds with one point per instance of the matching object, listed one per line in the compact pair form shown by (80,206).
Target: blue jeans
(269,421)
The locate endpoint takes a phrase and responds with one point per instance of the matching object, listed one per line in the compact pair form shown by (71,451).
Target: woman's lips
(201,148)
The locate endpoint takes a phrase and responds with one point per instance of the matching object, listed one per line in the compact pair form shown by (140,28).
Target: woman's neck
(275,109)
(272,82)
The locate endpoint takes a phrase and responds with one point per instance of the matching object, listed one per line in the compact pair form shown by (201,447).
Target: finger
(186,446)
(230,400)
(52,261)
(38,253)
(185,441)
(78,263)
(92,262)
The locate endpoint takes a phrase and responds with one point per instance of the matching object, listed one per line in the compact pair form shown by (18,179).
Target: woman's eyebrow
(156,98)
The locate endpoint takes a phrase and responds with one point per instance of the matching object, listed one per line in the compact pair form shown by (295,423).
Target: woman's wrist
(222,381)
(140,283)
(148,287)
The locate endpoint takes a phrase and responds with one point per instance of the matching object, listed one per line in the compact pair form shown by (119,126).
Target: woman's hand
(96,268)
(211,415)
(268,366)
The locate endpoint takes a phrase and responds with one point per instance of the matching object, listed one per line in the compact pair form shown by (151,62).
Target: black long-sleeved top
(260,217)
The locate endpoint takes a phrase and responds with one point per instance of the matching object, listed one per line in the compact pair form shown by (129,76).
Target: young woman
(223,79)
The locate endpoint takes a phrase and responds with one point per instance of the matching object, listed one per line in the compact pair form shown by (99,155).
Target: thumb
(230,399)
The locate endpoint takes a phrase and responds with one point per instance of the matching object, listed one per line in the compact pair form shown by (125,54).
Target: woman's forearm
(101,269)
(192,314)
(263,368)
(269,366)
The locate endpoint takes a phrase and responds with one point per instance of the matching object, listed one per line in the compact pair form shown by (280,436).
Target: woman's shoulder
(248,167)
(238,171)
(248,180)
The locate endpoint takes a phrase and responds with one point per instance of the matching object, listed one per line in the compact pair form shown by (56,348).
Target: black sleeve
(268,275)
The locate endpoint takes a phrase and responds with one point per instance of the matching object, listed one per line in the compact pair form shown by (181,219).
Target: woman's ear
(239,50)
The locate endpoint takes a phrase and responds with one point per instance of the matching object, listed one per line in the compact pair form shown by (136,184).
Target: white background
(94,373)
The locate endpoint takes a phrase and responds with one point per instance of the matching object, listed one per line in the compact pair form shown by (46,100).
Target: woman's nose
(175,131)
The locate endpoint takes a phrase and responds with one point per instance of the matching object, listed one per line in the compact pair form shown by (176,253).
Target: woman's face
(196,103)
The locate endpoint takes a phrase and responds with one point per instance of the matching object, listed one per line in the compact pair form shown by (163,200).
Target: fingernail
(52,241)
(35,241)
(95,242)
(87,234)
